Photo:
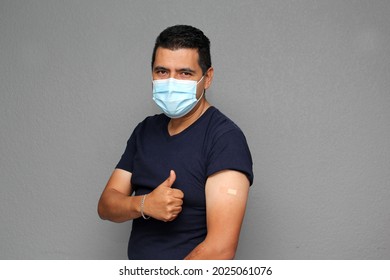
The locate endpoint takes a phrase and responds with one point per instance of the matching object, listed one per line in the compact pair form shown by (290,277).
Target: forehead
(180,58)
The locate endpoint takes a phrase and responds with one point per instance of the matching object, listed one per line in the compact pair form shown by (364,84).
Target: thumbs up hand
(164,202)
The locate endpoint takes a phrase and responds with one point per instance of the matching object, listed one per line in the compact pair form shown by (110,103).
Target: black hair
(185,37)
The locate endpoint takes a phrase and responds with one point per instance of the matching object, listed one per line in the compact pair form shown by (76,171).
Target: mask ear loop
(200,80)
(201,96)
(204,90)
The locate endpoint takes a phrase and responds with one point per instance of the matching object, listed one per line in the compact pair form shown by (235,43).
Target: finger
(173,216)
(177,193)
(171,179)
(179,202)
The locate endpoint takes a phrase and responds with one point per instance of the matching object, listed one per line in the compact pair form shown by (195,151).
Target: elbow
(101,210)
(226,248)
(106,211)
(225,251)
(228,254)
(218,247)
(101,213)
(212,251)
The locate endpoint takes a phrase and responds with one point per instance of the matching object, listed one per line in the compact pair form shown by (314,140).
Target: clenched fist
(164,203)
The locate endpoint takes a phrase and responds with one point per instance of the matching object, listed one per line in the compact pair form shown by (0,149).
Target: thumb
(171,179)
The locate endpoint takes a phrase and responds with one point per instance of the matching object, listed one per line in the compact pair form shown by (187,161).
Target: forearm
(118,207)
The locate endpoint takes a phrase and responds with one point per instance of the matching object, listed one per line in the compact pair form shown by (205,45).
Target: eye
(186,74)
(161,73)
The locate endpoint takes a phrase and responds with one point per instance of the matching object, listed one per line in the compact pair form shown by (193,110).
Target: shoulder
(155,119)
(151,122)
(220,124)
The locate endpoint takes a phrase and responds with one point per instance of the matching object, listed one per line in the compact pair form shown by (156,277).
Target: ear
(208,77)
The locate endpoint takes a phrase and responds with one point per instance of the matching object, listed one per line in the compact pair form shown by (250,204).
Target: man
(185,174)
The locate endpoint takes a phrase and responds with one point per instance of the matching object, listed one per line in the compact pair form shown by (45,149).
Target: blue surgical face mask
(175,97)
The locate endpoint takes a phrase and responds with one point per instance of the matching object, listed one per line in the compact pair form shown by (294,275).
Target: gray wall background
(307,81)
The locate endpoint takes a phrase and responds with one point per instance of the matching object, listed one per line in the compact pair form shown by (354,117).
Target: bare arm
(117,205)
(226,197)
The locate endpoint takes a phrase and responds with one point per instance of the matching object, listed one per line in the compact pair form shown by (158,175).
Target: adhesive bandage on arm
(232,191)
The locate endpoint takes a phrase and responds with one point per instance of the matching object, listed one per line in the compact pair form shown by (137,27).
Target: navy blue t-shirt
(213,143)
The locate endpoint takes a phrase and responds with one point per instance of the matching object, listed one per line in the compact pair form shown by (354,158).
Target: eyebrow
(189,70)
(162,68)
(159,68)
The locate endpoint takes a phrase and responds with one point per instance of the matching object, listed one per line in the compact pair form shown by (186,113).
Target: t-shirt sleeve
(126,161)
(231,152)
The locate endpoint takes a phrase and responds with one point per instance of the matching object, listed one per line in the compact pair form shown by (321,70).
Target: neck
(176,126)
